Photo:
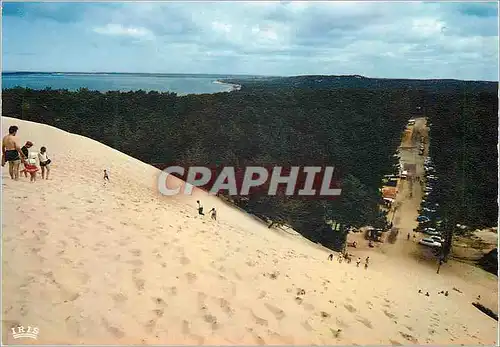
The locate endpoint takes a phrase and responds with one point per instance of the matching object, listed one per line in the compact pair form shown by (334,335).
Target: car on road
(429,242)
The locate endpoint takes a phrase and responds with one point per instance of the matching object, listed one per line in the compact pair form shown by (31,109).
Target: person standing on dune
(200,208)
(26,152)
(11,152)
(44,162)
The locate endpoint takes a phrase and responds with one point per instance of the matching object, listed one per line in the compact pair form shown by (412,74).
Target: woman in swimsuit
(44,162)
(25,150)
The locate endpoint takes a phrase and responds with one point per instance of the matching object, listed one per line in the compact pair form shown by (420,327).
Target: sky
(373,39)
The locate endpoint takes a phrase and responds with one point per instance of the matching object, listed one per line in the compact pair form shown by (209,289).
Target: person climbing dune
(200,208)
(214,213)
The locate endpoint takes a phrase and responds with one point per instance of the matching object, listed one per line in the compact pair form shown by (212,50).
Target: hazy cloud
(413,39)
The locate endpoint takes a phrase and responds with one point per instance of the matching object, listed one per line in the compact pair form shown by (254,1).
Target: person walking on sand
(26,152)
(11,152)
(106,177)
(408,237)
(330,257)
(358,262)
(200,208)
(44,163)
(214,213)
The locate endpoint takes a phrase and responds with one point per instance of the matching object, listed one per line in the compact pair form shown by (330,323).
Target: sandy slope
(89,263)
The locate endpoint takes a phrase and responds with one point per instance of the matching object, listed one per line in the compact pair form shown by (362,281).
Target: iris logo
(25,332)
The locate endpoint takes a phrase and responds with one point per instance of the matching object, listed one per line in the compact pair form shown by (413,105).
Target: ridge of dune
(89,263)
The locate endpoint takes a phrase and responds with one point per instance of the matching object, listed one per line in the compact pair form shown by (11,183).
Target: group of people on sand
(347,257)
(212,211)
(21,160)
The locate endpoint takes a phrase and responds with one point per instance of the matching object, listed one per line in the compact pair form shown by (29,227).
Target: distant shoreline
(233,87)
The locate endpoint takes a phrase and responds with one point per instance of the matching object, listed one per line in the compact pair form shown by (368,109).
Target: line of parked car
(429,221)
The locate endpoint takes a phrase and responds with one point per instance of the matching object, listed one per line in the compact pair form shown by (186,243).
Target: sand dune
(89,263)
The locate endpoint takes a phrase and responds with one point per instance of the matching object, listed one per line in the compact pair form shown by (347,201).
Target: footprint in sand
(150,325)
(409,337)
(139,283)
(365,322)
(187,331)
(278,313)
(184,261)
(191,277)
(350,308)
(212,320)
(113,330)
(119,298)
(159,312)
(123,242)
(225,306)
(260,321)
(308,307)
(201,299)
(306,326)
(135,252)
(324,314)
(159,301)
(172,291)
(389,314)
(259,340)
(341,324)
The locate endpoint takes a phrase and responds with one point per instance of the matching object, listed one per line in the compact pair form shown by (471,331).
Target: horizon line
(247,75)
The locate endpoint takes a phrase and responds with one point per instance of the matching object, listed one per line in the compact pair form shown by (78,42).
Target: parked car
(429,242)
(432,233)
(423,219)
(437,238)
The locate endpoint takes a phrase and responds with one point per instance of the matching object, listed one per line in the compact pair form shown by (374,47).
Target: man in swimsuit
(11,152)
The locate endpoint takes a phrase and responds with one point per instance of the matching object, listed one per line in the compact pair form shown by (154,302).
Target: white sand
(94,264)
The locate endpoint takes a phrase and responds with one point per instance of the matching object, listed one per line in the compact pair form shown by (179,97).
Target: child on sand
(32,170)
(44,162)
